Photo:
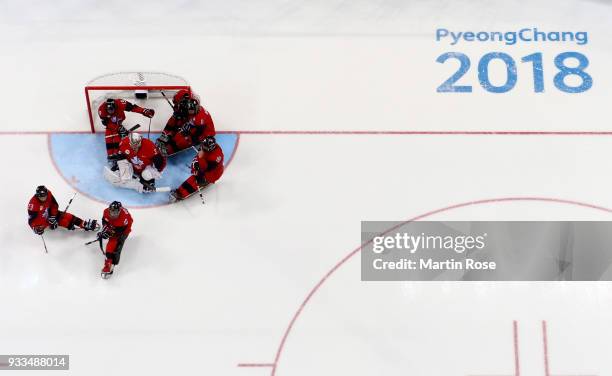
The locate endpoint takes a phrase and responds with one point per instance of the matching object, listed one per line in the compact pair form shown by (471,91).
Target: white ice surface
(201,289)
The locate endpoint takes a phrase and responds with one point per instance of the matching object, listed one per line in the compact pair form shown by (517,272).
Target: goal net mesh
(145,89)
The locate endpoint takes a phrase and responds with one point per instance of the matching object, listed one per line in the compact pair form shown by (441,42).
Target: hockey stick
(70,202)
(198,184)
(44,243)
(101,246)
(133,128)
(129,130)
(200,192)
(149,131)
(166,98)
(99,240)
(91,242)
(65,210)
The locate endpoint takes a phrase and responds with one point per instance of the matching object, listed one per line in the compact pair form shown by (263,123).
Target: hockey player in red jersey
(43,212)
(146,160)
(189,125)
(117,225)
(112,113)
(206,168)
(140,157)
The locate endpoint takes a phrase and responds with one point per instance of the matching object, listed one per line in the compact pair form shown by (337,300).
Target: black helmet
(41,191)
(110,105)
(114,208)
(182,108)
(209,144)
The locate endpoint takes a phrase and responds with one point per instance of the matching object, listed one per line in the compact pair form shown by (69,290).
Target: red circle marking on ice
(313,291)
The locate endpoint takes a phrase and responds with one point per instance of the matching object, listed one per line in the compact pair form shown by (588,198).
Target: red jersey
(39,211)
(147,155)
(116,118)
(196,127)
(122,225)
(202,119)
(211,164)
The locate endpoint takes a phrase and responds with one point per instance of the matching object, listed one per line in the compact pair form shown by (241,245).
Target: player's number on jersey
(584,79)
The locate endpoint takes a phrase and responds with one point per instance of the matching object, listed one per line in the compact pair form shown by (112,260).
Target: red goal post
(142,88)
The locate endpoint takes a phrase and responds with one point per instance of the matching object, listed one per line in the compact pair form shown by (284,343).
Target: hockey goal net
(146,89)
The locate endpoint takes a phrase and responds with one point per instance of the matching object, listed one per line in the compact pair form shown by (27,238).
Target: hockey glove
(105,233)
(201,179)
(148,186)
(163,138)
(161,146)
(38,230)
(195,167)
(148,112)
(186,129)
(122,131)
(52,220)
(90,225)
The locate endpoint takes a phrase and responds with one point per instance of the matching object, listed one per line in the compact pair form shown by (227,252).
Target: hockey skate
(107,271)
(174,196)
(112,164)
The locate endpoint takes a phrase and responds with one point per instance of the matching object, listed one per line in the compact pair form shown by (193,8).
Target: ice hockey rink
(335,119)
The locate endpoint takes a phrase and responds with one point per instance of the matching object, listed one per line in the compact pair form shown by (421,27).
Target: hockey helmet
(182,95)
(110,105)
(181,108)
(114,208)
(135,141)
(42,192)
